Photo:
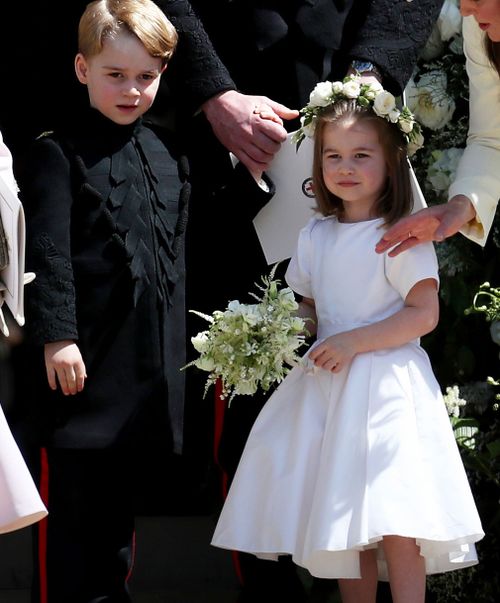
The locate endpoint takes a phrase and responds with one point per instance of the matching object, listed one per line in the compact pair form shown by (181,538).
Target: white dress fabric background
(336,461)
(20,502)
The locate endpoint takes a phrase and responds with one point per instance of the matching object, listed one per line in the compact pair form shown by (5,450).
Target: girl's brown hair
(493,52)
(103,19)
(396,200)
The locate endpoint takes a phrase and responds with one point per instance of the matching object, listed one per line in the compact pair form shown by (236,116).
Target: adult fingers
(282,110)
(51,377)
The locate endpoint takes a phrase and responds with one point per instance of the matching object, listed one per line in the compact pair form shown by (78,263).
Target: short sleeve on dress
(298,274)
(408,268)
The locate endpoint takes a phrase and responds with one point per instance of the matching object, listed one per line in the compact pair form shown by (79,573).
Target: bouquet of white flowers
(250,345)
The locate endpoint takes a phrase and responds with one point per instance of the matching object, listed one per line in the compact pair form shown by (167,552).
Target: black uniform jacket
(106,210)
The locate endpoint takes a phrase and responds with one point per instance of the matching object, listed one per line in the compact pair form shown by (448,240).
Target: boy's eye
(115,74)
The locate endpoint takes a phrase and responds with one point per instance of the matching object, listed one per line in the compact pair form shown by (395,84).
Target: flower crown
(370,95)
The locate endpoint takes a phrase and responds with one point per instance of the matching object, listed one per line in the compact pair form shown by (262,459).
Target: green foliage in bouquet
(249,346)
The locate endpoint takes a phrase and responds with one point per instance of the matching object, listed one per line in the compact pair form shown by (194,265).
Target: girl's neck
(352,214)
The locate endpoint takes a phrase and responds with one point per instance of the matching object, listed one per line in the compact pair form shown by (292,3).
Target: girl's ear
(81,68)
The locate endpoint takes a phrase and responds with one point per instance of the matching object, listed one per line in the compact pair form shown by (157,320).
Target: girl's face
(354,166)
(486,13)
(122,80)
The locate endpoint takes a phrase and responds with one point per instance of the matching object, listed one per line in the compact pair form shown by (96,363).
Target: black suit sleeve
(195,72)
(392,36)
(47,199)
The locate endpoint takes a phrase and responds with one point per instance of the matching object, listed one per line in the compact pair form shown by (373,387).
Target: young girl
(352,467)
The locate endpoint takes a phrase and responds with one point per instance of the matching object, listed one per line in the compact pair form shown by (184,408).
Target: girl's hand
(64,363)
(334,353)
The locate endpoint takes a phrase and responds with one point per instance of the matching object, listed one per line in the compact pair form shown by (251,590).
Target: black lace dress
(106,209)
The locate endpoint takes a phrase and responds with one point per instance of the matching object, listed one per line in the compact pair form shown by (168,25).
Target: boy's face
(122,80)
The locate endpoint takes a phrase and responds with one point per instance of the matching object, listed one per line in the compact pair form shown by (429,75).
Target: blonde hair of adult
(105,19)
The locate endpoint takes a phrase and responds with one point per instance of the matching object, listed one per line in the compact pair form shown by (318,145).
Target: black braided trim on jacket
(50,301)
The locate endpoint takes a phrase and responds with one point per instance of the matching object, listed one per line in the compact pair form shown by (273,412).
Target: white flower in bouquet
(449,22)
(429,100)
(248,346)
(442,170)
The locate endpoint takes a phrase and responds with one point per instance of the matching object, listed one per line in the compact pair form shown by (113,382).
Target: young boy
(106,207)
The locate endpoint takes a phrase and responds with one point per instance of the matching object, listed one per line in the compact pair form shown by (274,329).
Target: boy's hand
(64,363)
(334,353)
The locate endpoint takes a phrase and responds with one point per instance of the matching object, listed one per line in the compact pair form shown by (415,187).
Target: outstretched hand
(434,223)
(251,127)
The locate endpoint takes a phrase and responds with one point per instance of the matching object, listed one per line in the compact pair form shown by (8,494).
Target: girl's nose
(346,168)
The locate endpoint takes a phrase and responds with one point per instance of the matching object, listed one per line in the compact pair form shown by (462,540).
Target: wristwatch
(366,66)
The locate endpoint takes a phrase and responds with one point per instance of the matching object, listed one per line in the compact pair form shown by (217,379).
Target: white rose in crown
(351,89)
(384,103)
(309,128)
(321,95)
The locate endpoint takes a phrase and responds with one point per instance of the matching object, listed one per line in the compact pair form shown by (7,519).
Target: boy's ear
(163,69)
(81,68)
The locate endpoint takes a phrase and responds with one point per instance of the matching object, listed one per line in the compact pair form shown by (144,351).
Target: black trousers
(87,552)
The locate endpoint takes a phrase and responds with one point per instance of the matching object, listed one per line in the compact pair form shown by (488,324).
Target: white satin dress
(335,462)
(20,502)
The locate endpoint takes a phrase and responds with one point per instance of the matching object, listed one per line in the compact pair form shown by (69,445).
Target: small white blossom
(337,87)
(351,89)
(309,128)
(394,116)
(453,401)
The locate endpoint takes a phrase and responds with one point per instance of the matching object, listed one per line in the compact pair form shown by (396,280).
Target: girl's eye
(332,156)
(361,155)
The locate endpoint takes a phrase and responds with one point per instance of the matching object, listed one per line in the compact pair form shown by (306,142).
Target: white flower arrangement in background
(441,172)
(429,100)
(371,95)
(249,346)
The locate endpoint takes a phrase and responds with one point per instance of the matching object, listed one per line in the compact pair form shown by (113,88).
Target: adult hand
(434,223)
(237,122)
(64,361)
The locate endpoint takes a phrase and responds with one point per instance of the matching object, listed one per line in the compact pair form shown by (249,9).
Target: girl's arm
(307,310)
(64,364)
(418,317)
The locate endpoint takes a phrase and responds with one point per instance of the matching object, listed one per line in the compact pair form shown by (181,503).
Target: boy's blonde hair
(104,19)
